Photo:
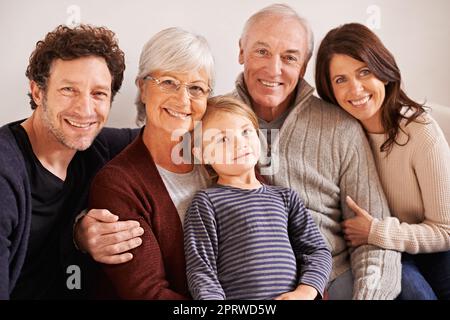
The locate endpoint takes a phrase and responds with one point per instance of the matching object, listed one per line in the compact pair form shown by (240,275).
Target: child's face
(230,144)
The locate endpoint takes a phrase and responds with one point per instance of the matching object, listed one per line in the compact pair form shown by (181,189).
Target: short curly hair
(71,43)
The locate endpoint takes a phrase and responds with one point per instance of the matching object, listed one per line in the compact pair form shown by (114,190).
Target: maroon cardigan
(131,187)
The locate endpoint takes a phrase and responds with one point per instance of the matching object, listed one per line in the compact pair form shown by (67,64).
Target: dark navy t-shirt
(55,203)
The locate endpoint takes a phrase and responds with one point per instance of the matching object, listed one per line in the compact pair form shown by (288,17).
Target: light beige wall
(416,31)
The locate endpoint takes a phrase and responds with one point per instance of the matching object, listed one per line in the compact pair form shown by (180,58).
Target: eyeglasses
(172,85)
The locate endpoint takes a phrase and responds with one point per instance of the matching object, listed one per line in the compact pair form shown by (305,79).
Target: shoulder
(14,186)
(287,195)
(201,202)
(333,118)
(125,167)
(12,160)
(421,134)
(278,189)
(424,131)
(331,124)
(112,140)
(205,195)
(7,141)
(110,135)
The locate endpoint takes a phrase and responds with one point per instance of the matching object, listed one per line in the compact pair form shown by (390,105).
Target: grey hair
(285,11)
(175,50)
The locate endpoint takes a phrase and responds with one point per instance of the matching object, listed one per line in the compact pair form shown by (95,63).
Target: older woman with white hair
(150,181)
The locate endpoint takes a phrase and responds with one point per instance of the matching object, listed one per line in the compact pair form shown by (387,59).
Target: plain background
(415,31)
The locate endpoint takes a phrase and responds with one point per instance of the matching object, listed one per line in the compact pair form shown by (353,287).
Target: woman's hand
(356,229)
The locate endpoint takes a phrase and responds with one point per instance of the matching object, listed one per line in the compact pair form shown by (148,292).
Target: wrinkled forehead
(286,34)
(285,28)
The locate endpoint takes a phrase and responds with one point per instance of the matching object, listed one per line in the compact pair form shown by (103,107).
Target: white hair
(284,11)
(174,50)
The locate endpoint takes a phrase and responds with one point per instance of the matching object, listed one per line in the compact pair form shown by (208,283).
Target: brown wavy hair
(360,43)
(71,43)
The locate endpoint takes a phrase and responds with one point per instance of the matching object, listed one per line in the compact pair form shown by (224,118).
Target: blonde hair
(230,105)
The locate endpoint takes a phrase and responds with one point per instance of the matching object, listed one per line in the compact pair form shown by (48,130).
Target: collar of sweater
(303,92)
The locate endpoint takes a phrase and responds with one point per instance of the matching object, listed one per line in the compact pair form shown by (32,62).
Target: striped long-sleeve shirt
(252,244)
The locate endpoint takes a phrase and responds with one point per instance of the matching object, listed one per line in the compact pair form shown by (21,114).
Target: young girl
(245,239)
(355,71)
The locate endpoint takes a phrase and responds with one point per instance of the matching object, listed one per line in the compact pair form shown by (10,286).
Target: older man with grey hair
(314,148)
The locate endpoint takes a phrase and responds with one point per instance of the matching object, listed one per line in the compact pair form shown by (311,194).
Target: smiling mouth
(176,114)
(360,102)
(270,84)
(79,125)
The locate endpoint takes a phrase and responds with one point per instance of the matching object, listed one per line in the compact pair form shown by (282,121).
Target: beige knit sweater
(324,155)
(416,181)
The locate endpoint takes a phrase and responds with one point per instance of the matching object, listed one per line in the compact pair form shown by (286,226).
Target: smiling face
(76,103)
(173,111)
(273,53)
(230,144)
(358,91)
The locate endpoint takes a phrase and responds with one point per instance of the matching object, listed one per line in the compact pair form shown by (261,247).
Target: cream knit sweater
(324,155)
(416,181)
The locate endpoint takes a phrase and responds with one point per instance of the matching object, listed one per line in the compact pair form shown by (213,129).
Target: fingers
(121,247)
(102,215)
(108,242)
(107,228)
(117,253)
(355,208)
(122,236)
(353,241)
(346,225)
(102,244)
(352,205)
(117,259)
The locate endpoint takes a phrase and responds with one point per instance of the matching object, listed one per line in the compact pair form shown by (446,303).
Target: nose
(274,65)
(241,142)
(356,86)
(183,95)
(84,105)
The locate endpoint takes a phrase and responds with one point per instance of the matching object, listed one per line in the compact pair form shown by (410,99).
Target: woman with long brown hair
(355,71)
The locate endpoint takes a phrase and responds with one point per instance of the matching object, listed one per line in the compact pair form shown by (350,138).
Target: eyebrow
(170,75)
(68,81)
(265,44)
(261,43)
(223,132)
(356,70)
(72,83)
(294,51)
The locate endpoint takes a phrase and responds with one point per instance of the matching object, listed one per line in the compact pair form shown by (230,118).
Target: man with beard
(49,159)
